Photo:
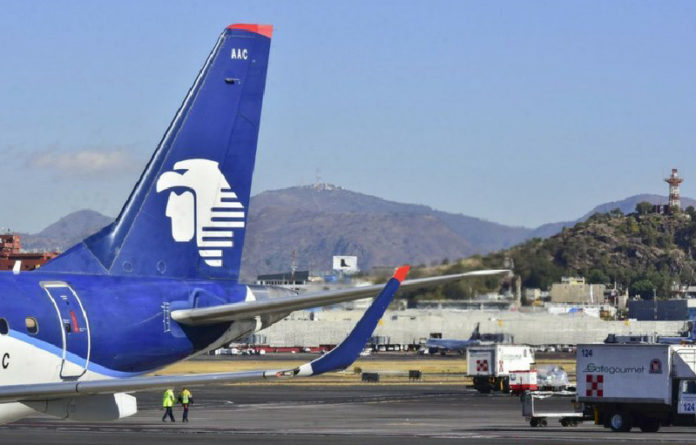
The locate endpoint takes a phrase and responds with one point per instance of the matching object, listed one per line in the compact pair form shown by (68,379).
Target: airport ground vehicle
(643,385)
(539,418)
(490,366)
(522,381)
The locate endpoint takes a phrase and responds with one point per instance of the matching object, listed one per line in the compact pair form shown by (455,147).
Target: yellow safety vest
(185,395)
(168,399)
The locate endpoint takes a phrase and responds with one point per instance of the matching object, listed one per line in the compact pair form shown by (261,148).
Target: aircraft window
(32,325)
(4,327)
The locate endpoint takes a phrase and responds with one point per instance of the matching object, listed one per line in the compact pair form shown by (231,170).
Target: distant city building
(11,253)
(572,280)
(683,291)
(576,290)
(297,278)
(532,293)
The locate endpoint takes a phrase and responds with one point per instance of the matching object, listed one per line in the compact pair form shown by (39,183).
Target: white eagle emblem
(205,208)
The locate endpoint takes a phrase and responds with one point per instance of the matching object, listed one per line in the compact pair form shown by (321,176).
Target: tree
(644,288)
(643,208)
(596,276)
(616,213)
(691,212)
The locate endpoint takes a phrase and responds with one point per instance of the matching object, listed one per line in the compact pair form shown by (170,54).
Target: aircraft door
(75,328)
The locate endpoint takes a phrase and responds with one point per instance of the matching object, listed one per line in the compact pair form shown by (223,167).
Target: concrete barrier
(412,325)
(370,377)
(415,374)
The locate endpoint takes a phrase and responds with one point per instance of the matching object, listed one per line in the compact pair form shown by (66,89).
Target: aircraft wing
(248,309)
(338,358)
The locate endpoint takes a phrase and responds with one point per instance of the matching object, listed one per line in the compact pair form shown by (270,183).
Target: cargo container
(521,381)
(490,366)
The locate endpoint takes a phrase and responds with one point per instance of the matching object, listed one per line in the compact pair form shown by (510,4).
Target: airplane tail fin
(476,334)
(186,216)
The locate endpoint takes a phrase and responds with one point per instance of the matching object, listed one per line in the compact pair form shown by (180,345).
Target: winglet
(345,354)
(401,273)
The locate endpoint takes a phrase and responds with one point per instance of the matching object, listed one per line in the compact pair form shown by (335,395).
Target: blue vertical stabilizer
(187,215)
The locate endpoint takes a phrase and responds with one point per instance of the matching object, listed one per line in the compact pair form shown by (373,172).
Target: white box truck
(490,366)
(642,385)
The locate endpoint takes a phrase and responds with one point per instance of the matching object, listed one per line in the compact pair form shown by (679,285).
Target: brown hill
(643,252)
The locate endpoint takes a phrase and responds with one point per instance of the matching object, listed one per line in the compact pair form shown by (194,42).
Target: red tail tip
(264,30)
(401,273)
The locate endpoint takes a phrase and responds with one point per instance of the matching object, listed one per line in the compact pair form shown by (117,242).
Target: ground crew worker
(168,401)
(186,398)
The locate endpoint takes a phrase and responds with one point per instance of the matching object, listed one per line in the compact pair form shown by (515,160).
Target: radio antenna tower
(674,180)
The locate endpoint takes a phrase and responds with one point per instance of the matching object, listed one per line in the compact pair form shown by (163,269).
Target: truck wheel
(620,421)
(650,425)
(568,422)
(481,385)
(506,385)
(534,422)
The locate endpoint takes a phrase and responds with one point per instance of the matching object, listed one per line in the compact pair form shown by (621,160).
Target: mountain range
(306,225)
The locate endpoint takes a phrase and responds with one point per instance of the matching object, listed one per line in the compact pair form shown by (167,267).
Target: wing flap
(249,309)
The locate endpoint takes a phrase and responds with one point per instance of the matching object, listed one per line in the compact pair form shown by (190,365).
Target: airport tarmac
(337,414)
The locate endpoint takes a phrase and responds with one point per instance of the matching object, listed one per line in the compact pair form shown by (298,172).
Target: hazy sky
(521,112)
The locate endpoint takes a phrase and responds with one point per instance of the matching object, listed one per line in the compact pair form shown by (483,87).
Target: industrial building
(684,309)
(287,279)
(11,253)
(576,290)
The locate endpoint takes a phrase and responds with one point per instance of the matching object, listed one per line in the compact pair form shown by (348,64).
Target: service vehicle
(522,381)
(490,366)
(641,385)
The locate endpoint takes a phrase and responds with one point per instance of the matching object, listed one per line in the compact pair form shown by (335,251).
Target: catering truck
(641,385)
(490,366)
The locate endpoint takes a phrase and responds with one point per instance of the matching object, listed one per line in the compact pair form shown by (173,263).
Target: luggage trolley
(538,419)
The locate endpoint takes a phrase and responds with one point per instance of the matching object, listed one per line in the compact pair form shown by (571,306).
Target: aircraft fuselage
(70,326)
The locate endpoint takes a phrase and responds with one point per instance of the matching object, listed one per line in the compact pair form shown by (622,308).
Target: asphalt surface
(395,356)
(347,414)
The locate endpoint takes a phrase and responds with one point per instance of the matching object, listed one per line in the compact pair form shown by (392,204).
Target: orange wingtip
(401,273)
(264,30)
